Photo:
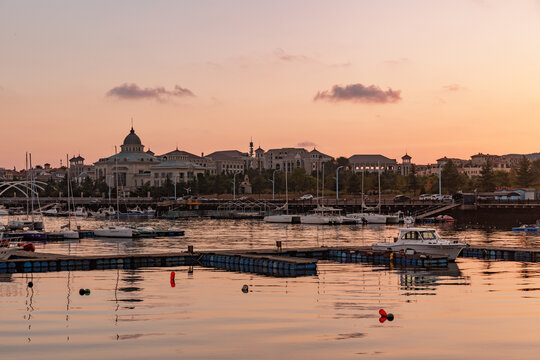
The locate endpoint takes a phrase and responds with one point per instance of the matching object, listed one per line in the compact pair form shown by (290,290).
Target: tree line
(526,175)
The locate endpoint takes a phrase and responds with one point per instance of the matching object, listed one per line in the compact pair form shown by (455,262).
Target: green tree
(487,177)
(412,180)
(451,179)
(525,175)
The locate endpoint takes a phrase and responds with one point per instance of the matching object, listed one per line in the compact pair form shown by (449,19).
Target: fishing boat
(424,241)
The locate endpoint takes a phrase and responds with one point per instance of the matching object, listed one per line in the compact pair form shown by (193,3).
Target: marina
(143,295)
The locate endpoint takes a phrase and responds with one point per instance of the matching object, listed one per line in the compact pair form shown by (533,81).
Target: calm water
(475,309)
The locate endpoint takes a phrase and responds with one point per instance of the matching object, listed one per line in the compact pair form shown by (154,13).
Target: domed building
(132,164)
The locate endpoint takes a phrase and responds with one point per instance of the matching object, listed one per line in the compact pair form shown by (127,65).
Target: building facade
(130,167)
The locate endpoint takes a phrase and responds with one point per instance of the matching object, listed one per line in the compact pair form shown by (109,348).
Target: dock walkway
(290,262)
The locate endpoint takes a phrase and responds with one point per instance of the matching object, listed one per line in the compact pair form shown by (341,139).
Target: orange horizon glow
(430,79)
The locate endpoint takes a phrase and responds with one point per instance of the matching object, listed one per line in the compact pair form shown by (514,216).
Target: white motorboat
(424,241)
(115,231)
(3,210)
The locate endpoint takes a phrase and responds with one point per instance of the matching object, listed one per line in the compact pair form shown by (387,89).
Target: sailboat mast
(322,185)
(362,202)
(286,193)
(68,186)
(27,180)
(32,189)
(116,180)
(379,172)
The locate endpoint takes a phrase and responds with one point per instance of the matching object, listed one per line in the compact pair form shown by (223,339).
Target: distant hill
(528,156)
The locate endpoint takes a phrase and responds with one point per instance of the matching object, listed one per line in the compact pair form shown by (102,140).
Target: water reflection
(418,281)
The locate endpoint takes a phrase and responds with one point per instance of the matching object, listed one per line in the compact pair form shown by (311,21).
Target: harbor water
(473,309)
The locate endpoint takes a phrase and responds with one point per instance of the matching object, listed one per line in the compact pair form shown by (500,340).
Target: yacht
(423,240)
(323,215)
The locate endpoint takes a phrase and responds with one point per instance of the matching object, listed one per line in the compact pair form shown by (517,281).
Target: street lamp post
(175,176)
(234,184)
(273,183)
(337,183)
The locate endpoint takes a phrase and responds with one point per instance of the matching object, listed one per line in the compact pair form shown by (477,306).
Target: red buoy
(382,313)
(172,275)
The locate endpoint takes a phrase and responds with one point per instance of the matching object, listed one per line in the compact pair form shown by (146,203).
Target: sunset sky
(431,78)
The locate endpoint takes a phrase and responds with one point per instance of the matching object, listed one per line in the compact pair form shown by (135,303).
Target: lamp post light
(337,182)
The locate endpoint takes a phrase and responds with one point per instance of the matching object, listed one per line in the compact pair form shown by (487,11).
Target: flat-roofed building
(372,163)
(230,161)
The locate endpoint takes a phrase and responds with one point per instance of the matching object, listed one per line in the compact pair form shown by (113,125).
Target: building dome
(132,139)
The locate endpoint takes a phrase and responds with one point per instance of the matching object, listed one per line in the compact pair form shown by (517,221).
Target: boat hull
(114,232)
(451,250)
(283,219)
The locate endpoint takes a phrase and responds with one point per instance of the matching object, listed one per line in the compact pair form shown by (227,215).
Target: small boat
(528,228)
(8,246)
(444,218)
(24,224)
(424,241)
(115,231)
(368,218)
(3,211)
(80,212)
(103,212)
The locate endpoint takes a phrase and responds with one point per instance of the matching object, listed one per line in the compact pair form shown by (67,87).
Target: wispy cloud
(135,92)
(359,93)
(283,56)
(306,144)
(398,62)
(454,87)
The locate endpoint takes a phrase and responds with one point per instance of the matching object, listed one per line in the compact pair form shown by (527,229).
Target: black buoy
(30,284)
(245,289)
(82,292)
(390,317)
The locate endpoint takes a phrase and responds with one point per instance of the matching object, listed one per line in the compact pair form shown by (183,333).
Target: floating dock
(502,253)
(85,234)
(290,262)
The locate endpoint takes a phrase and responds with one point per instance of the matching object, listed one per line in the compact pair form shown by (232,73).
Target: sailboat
(284,218)
(370,217)
(69,233)
(115,231)
(323,215)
